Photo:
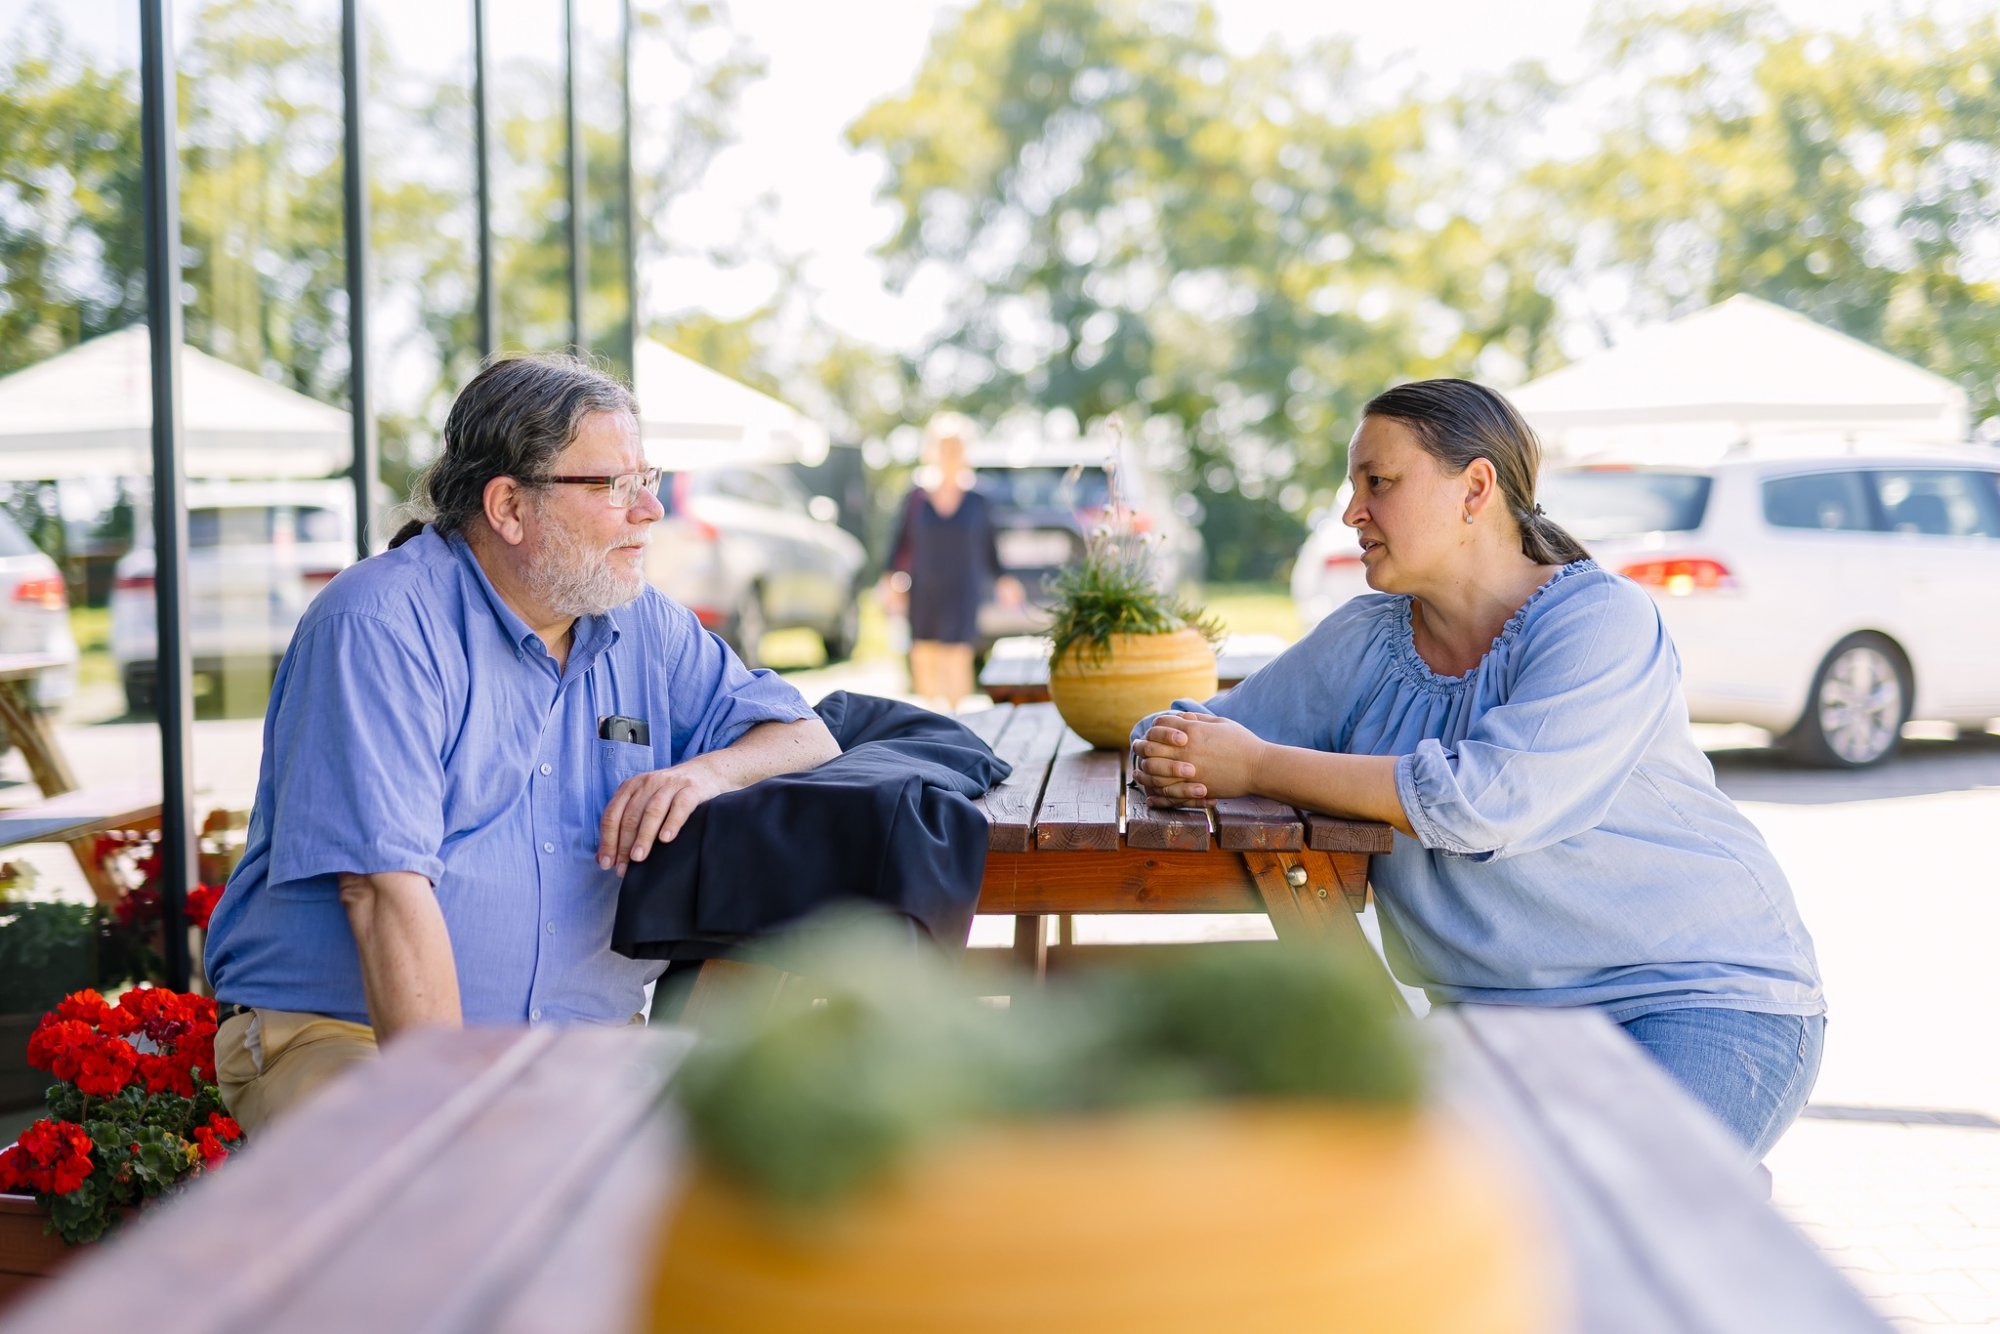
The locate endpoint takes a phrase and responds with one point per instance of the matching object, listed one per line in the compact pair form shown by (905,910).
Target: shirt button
(548,769)
(534,1014)
(548,847)
(552,928)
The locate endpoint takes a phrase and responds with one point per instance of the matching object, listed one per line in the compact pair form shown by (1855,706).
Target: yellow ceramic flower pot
(1244,1218)
(1100,697)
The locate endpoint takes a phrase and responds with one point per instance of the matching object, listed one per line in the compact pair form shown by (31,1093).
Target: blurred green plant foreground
(806,1104)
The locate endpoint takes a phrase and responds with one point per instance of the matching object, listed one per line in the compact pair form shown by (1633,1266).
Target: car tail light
(47,591)
(711,618)
(317,579)
(1341,559)
(134,583)
(1678,578)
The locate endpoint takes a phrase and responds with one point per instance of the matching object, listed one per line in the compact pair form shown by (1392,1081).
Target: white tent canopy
(1744,370)
(88,412)
(689,414)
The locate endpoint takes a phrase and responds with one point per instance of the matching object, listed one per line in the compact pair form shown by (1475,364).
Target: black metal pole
(161,184)
(360,403)
(482,152)
(631,256)
(578,276)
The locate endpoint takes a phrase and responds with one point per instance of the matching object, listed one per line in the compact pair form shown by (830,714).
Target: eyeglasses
(622,491)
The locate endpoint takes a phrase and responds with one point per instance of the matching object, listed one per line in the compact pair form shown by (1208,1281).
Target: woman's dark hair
(1457,421)
(512,420)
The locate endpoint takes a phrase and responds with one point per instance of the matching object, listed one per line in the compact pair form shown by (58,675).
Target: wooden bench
(512,1181)
(77,818)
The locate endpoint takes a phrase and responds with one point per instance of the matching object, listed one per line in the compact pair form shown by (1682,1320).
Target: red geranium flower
(201,901)
(84,1006)
(105,1067)
(50,1156)
(211,1148)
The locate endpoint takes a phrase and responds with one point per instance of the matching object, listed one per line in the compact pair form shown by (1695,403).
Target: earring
(1468,516)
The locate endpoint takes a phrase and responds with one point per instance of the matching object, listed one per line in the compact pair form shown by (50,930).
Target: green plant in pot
(1127,1151)
(1121,645)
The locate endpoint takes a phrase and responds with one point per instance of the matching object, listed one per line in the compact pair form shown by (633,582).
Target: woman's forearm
(1360,787)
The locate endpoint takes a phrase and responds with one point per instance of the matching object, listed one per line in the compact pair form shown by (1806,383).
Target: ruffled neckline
(1419,671)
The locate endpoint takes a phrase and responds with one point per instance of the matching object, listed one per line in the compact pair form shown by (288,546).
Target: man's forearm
(773,748)
(407,969)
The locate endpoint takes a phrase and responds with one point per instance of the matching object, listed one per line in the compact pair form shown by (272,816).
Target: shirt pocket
(616,762)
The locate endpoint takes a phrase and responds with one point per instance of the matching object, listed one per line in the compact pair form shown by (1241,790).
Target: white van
(257,553)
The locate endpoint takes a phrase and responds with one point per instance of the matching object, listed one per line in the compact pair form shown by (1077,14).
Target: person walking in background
(1516,713)
(941,563)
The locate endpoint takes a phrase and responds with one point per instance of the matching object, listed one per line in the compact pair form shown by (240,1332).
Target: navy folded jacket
(889,822)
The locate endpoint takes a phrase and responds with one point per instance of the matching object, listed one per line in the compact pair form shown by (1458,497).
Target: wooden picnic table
(513,1180)
(1067,833)
(29,726)
(65,814)
(1017,670)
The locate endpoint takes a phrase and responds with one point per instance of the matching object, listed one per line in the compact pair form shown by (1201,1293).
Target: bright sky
(824,68)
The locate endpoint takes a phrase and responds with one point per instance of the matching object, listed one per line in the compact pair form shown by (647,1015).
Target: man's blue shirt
(417,724)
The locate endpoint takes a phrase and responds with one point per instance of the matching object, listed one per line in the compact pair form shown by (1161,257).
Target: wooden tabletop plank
(1079,810)
(81,813)
(989,725)
(1258,824)
(498,1196)
(1115,882)
(1329,833)
(1029,744)
(1606,1286)
(1670,1182)
(1174,828)
(600,1263)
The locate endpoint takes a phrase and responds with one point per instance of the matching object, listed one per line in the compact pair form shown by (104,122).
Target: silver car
(748,551)
(34,613)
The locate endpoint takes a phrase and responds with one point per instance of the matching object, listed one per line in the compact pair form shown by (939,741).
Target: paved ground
(1895,1170)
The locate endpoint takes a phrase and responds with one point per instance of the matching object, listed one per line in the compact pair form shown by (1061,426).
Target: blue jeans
(1752,1071)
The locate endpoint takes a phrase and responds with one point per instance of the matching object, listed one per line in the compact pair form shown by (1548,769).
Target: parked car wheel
(1859,702)
(746,633)
(845,634)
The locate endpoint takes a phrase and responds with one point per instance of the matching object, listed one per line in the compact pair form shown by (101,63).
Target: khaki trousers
(268,1061)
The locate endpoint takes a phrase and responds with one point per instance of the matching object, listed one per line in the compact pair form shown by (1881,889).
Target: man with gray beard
(470,738)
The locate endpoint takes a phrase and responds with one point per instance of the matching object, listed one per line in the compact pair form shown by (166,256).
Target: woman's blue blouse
(1572,847)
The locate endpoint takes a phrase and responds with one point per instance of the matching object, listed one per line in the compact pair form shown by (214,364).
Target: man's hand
(651,807)
(1197,757)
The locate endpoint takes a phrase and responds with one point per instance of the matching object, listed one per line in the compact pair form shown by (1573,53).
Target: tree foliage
(1245,247)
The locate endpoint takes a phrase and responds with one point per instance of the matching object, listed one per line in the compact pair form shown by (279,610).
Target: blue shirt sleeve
(1597,678)
(713,698)
(1300,696)
(361,723)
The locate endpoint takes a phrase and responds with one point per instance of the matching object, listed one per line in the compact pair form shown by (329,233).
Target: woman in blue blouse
(1516,712)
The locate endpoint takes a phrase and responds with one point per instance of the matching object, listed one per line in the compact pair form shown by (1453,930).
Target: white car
(1826,597)
(257,553)
(34,614)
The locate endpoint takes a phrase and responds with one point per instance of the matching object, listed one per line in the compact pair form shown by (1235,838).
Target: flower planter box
(27,1254)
